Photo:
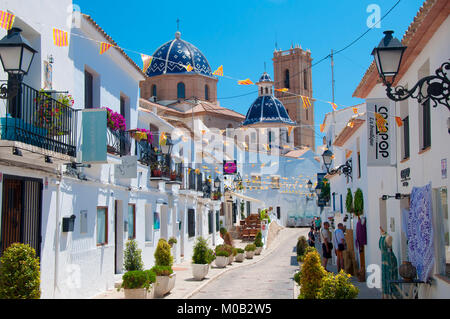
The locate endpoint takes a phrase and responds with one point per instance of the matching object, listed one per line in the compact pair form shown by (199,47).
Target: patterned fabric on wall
(420,231)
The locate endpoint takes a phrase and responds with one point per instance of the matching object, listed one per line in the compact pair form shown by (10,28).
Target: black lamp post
(166,149)
(16,55)
(344,168)
(388,57)
(309,185)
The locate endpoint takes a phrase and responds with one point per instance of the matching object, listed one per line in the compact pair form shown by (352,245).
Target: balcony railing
(176,174)
(192,179)
(119,142)
(160,166)
(36,118)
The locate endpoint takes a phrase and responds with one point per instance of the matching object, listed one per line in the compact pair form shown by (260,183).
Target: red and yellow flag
(6,20)
(355,110)
(282,90)
(399,121)
(146,60)
(333,105)
(290,130)
(219,71)
(162,138)
(245,82)
(104,47)
(348,154)
(322,126)
(306,102)
(188,67)
(381,123)
(60,38)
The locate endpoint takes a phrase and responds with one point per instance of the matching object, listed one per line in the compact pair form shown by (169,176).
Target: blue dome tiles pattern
(265,77)
(267,109)
(171,57)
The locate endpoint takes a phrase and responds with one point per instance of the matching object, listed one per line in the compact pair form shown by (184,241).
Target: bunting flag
(355,110)
(188,67)
(399,121)
(104,47)
(322,127)
(333,105)
(306,102)
(290,130)
(146,60)
(282,90)
(245,82)
(162,138)
(6,20)
(350,124)
(267,147)
(60,38)
(348,154)
(219,71)
(381,123)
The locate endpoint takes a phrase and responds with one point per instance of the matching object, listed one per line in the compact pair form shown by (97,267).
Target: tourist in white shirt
(339,245)
(327,245)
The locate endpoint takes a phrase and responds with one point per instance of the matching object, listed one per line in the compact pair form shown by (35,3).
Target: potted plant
(258,243)
(137,283)
(202,257)
(156,169)
(132,256)
(172,241)
(239,255)
(173,175)
(222,255)
(216,195)
(229,249)
(165,277)
(250,251)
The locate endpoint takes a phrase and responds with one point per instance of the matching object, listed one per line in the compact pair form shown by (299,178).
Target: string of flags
(6,20)
(104,47)
(245,82)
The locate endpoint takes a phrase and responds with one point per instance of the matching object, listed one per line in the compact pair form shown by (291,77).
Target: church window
(286,79)
(305,79)
(154,90)
(206,92)
(267,90)
(181,94)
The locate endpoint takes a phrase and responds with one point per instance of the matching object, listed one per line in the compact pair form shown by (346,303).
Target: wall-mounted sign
(381,147)
(93,145)
(444,168)
(229,167)
(128,168)
(404,175)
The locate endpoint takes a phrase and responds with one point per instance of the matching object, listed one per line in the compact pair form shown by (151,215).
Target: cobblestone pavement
(271,278)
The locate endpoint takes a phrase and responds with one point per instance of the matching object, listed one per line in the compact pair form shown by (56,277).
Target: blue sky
(241,36)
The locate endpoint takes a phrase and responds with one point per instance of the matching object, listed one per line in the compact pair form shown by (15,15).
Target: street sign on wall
(128,168)
(93,145)
(381,146)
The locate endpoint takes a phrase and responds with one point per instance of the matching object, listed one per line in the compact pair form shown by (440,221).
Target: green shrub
(349,201)
(308,249)
(250,247)
(240,250)
(202,254)
(235,251)
(223,250)
(311,275)
(223,231)
(222,253)
(297,277)
(172,240)
(19,273)
(163,257)
(337,287)
(258,239)
(132,256)
(358,204)
(302,244)
(162,270)
(229,249)
(138,279)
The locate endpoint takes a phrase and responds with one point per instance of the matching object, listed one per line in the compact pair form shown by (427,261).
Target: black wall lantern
(68,224)
(346,168)
(388,57)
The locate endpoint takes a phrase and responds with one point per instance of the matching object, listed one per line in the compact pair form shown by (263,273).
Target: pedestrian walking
(339,246)
(327,244)
(311,238)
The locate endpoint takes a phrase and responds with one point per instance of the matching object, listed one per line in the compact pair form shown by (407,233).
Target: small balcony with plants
(118,138)
(160,167)
(176,174)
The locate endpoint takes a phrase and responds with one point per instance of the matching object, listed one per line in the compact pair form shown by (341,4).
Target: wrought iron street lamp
(312,191)
(217,182)
(166,149)
(16,55)
(388,57)
(346,168)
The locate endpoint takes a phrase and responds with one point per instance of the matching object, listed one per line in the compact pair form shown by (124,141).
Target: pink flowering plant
(143,134)
(115,121)
(50,112)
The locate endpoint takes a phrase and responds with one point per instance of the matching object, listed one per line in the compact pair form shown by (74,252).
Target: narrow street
(271,278)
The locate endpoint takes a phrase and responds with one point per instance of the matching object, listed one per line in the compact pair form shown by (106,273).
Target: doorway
(21,212)
(118,237)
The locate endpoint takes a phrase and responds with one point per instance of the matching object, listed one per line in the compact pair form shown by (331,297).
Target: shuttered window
(191,222)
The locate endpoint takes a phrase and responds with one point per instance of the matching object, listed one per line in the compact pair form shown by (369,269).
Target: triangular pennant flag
(245,82)
(348,154)
(162,138)
(333,105)
(350,124)
(282,90)
(399,121)
(188,67)
(290,130)
(219,71)
(355,110)
(6,20)
(146,60)
(306,102)
(104,47)
(60,38)
(381,123)
(322,126)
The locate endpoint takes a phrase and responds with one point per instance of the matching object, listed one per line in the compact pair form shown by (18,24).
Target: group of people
(328,241)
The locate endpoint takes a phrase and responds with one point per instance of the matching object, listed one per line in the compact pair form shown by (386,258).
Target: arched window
(267,90)
(262,90)
(181,92)
(286,79)
(206,92)
(154,90)
(305,79)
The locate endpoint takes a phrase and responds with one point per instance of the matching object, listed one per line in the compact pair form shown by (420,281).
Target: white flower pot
(249,254)
(221,261)
(258,250)
(230,259)
(239,257)
(199,271)
(137,293)
(164,284)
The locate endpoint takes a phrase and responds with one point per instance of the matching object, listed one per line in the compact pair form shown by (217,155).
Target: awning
(250,199)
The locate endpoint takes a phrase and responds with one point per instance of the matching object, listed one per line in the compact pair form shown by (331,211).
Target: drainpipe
(57,230)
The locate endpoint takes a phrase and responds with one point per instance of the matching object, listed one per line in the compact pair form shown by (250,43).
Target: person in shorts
(339,244)
(327,245)
(311,237)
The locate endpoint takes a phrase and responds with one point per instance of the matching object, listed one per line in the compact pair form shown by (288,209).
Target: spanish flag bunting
(350,124)
(60,38)
(245,82)
(333,105)
(188,67)
(381,123)
(348,154)
(6,20)
(219,71)
(146,60)
(104,47)
(282,90)
(306,102)
(203,132)
(355,110)
(162,138)
(399,121)
(322,127)
(290,130)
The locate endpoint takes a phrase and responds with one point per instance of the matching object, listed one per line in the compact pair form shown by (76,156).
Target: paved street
(271,278)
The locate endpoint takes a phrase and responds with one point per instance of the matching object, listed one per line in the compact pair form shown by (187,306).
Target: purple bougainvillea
(115,121)
(148,132)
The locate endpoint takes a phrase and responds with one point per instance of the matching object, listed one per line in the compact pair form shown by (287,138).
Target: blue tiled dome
(267,109)
(265,77)
(171,57)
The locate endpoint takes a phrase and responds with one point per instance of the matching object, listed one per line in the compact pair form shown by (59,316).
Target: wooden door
(11,212)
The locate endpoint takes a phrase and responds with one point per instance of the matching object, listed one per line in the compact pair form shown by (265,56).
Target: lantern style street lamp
(388,57)
(166,149)
(309,185)
(346,168)
(217,182)
(16,55)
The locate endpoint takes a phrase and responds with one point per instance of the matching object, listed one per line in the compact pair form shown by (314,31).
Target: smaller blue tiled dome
(267,110)
(265,77)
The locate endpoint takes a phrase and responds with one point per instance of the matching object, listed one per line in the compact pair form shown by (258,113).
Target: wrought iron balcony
(119,142)
(192,179)
(160,166)
(37,118)
(176,174)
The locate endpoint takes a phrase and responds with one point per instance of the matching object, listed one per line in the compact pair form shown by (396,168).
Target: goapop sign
(381,147)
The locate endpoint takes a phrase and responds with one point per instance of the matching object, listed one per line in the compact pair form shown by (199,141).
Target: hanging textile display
(6,20)
(420,231)
(389,270)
